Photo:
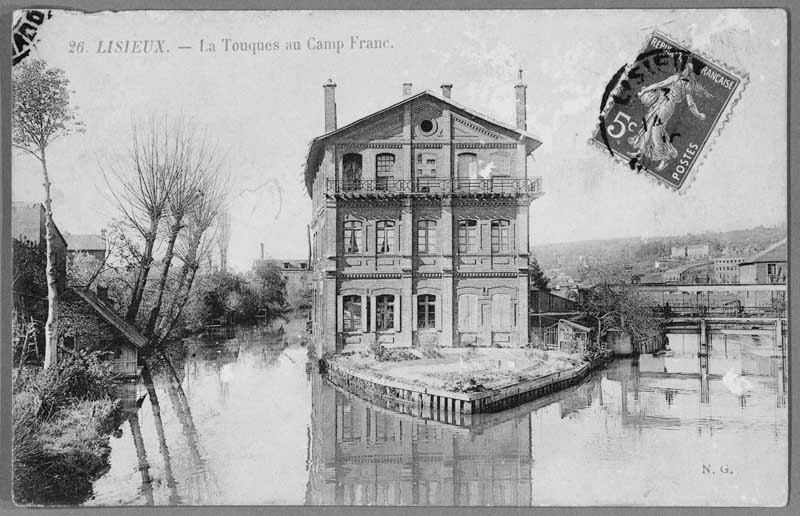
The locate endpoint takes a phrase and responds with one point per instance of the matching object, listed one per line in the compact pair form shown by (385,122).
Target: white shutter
(438,312)
(339,313)
(364,328)
(414,312)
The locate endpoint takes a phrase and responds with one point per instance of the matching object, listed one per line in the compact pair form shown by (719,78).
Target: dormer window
(384,170)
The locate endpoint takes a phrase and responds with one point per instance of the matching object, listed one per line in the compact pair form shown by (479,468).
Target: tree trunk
(162,283)
(51,326)
(144,270)
(164,333)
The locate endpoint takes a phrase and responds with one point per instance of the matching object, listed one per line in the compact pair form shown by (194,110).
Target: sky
(265,108)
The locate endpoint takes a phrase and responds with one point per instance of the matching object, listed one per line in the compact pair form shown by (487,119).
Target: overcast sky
(265,108)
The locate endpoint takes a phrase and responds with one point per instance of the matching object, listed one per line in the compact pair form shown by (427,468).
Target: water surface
(249,425)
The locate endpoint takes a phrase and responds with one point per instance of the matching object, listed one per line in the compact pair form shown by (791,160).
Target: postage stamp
(661,113)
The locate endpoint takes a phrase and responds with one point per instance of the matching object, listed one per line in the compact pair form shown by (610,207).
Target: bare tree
(223,239)
(198,169)
(615,303)
(194,245)
(42,114)
(141,189)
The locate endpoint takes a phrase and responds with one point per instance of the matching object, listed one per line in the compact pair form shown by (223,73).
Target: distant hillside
(641,253)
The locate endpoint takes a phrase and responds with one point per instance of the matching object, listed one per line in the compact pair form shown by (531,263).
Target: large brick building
(420,225)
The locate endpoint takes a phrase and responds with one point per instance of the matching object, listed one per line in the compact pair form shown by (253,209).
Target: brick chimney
(447,89)
(330,105)
(520,88)
(407,89)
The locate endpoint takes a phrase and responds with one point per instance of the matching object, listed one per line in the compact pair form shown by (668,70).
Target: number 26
(624,125)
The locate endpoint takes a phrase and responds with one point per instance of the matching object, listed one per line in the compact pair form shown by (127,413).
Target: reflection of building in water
(363,455)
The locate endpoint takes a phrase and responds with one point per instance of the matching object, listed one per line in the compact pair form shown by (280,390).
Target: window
(384,312)
(384,170)
(501,241)
(352,236)
(351,315)
(772,268)
(426,236)
(467,236)
(467,166)
(427,127)
(426,311)
(426,164)
(351,172)
(384,233)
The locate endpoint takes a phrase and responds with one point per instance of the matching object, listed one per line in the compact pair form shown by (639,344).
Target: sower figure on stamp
(653,140)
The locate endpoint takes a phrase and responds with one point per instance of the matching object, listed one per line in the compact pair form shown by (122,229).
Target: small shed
(127,340)
(567,336)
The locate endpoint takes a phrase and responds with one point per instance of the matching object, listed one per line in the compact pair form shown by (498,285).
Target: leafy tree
(42,114)
(538,278)
(82,269)
(614,303)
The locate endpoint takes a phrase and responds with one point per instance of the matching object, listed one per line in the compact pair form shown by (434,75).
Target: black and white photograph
(400,258)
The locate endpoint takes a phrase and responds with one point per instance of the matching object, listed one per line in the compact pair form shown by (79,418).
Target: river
(250,425)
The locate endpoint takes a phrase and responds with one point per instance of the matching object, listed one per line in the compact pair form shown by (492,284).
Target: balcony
(496,186)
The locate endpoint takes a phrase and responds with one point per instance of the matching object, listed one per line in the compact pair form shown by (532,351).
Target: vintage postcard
(400,258)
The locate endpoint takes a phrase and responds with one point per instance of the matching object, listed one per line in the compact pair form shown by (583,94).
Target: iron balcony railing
(500,185)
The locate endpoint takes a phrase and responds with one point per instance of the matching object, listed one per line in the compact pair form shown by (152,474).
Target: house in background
(28,222)
(690,274)
(93,245)
(768,266)
(296,274)
(726,268)
(420,225)
(692,251)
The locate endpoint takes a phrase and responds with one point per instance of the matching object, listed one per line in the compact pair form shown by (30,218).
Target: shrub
(81,376)
(61,420)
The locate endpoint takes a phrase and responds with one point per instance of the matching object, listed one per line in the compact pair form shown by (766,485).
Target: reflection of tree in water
(141,454)
(200,485)
(147,379)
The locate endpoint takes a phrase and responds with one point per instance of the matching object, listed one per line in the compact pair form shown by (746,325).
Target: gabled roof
(315,148)
(85,242)
(775,253)
(111,317)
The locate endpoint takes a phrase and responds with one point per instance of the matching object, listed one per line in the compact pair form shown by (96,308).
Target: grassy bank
(62,420)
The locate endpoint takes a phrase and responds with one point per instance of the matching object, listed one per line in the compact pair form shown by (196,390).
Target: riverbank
(62,420)
(450,384)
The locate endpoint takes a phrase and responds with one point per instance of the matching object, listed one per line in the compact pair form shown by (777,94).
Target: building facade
(691,251)
(726,268)
(297,275)
(420,225)
(768,266)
